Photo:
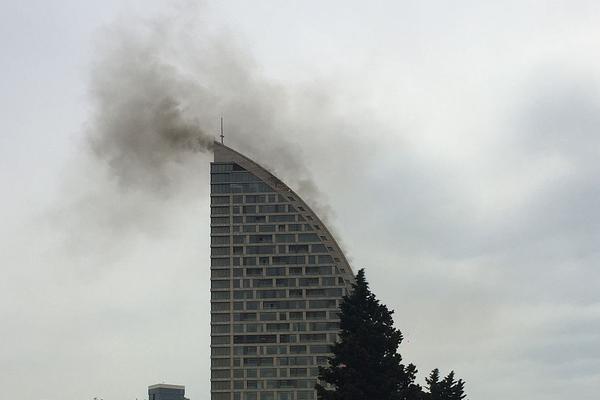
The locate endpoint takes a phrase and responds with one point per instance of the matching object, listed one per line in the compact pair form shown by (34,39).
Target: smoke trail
(158,90)
(139,124)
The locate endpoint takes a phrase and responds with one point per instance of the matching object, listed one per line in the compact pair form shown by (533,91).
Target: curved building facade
(277,278)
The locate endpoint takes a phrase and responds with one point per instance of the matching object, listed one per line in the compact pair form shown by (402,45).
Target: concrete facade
(277,278)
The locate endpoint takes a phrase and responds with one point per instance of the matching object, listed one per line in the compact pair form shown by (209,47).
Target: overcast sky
(452,146)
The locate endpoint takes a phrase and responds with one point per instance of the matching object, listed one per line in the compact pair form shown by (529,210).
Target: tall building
(277,279)
(163,391)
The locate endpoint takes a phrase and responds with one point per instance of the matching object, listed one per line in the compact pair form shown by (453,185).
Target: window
(316,315)
(219,273)
(313,337)
(324,326)
(215,340)
(219,229)
(249,209)
(273,208)
(329,303)
(297,349)
(220,168)
(260,250)
(276,271)
(250,219)
(237,199)
(219,220)
(262,283)
(219,284)
(295,315)
(219,200)
(268,373)
(219,295)
(320,348)
(283,238)
(305,395)
(239,239)
(219,351)
(219,240)
(244,317)
(285,282)
(249,260)
(254,271)
(308,237)
(219,251)
(260,238)
(298,248)
(318,248)
(219,329)
(282,218)
(298,372)
(220,188)
(329,292)
(219,210)
(255,198)
(270,294)
(224,306)
(284,260)
(220,385)
(328,281)
(240,339)
(268,316)
(266,228)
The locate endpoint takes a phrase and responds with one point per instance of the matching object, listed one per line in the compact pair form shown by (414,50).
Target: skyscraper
(277,278)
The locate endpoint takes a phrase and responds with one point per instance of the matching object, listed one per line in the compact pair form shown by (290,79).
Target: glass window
(219,220)
(219,262)
(219,229)
(220,168)
(308,237)
(266,228)
(219,273)
(219,200)
(260,238)
(282,218)
(219,240)
(219,251)
(285,238)
(318,248)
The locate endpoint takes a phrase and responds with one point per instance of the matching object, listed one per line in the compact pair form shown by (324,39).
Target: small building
(163,391)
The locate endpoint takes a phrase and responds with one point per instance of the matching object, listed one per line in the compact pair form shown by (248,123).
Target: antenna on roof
(222,136)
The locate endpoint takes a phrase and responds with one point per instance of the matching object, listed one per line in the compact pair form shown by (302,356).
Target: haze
(451,146)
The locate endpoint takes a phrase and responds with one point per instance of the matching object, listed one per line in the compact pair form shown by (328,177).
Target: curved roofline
(277,184)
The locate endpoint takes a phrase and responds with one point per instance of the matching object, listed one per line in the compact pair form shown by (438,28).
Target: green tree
(446,389)
(365,364)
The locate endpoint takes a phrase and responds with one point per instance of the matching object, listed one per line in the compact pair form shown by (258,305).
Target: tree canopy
(366,365)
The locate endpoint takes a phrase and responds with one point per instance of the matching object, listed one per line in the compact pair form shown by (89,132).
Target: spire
(222,135)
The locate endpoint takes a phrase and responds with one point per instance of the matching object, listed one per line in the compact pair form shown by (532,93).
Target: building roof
(166,386)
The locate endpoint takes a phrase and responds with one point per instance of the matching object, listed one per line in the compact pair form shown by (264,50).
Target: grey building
(277,278)
(163,391)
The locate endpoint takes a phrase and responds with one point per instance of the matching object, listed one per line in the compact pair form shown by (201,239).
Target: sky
(451,146)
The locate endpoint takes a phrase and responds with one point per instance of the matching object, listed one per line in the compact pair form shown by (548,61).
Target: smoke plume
(158,90)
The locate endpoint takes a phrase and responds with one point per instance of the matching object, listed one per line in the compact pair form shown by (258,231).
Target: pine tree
(365,364)
(446,389)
